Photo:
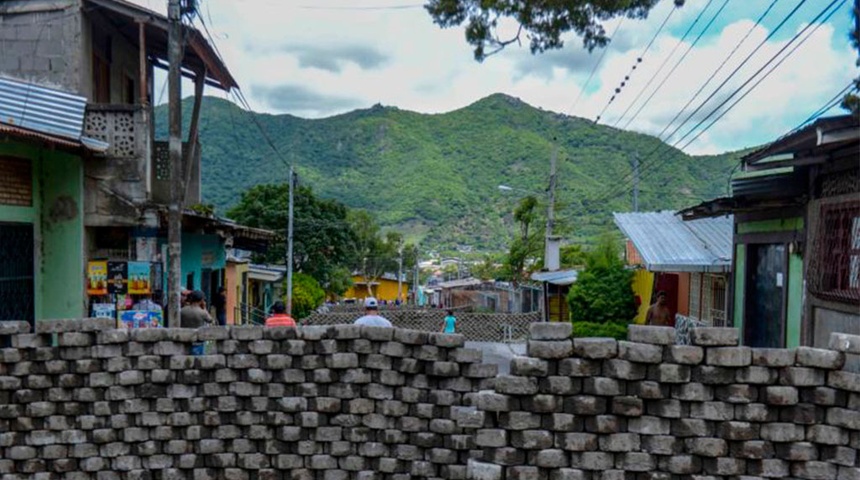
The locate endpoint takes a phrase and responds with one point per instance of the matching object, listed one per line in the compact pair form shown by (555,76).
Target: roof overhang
(813,144)
(558,277)
(199,55)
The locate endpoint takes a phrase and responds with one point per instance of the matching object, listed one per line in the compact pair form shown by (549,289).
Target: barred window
(835,265)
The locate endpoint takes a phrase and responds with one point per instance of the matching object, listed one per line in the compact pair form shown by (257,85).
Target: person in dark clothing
(219,301)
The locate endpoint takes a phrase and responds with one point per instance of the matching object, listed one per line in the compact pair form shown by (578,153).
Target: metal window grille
(835,262)
(718,301)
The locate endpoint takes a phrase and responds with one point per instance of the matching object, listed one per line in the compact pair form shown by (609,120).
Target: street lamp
(505,188)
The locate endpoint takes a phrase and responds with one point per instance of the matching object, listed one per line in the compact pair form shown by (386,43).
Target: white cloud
(321,61)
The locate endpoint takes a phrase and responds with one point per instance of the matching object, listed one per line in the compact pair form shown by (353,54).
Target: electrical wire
(596,66)
(628,177)
(680,61)
(638,61)
(665,61)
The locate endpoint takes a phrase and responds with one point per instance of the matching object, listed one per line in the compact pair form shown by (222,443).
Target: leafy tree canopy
(308,295)
(603,291)
(542,22)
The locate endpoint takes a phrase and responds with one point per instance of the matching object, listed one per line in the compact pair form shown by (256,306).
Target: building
(106,52)
(384,288)
(555,285)
(42,152)
(796,209)
(690,261)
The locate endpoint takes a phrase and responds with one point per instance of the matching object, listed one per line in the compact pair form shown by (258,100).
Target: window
(835,264)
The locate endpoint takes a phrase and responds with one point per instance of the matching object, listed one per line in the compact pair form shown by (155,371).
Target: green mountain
(435,177)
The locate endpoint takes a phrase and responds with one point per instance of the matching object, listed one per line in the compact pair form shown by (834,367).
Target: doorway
(764,322)
(17,298)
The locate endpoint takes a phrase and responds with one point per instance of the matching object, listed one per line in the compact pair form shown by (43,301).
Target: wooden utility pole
(635,163)
(550,211)
(400,270)
(177,190)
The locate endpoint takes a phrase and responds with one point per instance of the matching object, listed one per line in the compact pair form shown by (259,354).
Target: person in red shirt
(279,317)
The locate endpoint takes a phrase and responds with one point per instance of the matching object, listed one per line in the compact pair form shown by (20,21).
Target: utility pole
(550,214)
(177,185)
(635,163)
(400,270)
(290,245)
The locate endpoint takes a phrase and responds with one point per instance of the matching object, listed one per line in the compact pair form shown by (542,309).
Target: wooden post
(193,130)
(174,247)
(143,86)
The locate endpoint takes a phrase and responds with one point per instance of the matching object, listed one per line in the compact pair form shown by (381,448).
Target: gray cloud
(573,57)
(334,58)
(299,99)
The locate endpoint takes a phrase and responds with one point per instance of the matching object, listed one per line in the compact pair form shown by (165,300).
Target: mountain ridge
(435,176)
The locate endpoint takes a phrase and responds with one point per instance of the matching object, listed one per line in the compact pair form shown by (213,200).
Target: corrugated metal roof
(37,112)
(669,244)
(465,282)
(41,109)
(558,277)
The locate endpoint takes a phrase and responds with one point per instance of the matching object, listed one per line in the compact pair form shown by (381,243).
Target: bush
(617,330)
(603,292)
(308,295)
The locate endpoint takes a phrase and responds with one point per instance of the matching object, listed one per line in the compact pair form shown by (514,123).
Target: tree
(603,292)
(487,269)
(525,248)
(372,256)
(322,236)
(542,22)
(308,295)
(573,256)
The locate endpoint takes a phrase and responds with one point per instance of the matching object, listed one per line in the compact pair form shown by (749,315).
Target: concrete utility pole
(177,185)
(550,214)
(400,271)
(635,163)
(290,245)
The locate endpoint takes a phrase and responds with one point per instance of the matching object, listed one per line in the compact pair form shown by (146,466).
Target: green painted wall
(58,229)
(740,285)
(794,313)
(764,226)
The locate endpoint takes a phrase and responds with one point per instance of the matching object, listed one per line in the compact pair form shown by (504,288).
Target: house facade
(688,260)
(796,236)
(106,52)
(384,288)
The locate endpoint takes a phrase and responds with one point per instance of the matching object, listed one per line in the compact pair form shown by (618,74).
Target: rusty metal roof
(669,244)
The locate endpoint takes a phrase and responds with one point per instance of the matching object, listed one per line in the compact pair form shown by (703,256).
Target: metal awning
(558,277)
(667,243)
(264,273)
(807,146)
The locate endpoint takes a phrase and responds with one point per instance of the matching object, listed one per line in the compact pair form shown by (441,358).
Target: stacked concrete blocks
(329,403)
(646,409)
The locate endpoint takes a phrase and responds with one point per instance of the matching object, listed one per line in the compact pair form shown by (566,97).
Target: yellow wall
(385,290)
(643,284)
(235,287)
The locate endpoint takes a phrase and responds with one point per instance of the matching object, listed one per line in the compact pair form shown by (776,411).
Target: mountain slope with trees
(434,177)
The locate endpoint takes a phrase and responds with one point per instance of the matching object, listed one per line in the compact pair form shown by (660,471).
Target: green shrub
(617,330)
(307,295)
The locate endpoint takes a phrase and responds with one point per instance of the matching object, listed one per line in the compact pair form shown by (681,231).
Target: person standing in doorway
(220,304)
(449,325)
(659,313)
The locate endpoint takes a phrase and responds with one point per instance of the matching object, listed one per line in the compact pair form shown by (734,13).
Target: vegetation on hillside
(435,177)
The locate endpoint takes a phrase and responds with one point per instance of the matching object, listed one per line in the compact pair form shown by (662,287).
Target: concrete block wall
(646,409)
(332,402)
(80,399)
(43,45)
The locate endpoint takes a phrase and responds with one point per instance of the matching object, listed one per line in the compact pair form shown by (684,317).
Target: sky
(318,58)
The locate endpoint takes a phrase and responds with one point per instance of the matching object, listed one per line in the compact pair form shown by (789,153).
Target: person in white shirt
(371,316)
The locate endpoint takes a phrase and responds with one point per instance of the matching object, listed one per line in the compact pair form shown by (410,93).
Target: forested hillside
(435,177)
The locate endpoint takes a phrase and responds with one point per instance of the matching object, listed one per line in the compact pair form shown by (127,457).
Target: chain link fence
(476,327)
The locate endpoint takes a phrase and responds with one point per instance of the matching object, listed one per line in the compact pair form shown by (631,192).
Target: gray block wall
(347,402)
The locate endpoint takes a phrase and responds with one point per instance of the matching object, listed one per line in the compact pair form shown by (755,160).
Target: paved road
(499,353)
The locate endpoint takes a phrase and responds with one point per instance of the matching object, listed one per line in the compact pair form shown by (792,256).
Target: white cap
(370,302)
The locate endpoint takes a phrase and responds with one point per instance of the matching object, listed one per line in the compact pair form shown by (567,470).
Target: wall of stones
(646,409)
(80,400)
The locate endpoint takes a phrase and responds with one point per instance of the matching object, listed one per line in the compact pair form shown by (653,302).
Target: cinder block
(651,334)
(596,348)
(714,336)
(820,358)
(550,330)
(549,349)
(843,342)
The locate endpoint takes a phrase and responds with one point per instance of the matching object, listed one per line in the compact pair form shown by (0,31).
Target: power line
(656,162)
(681,60)
(638,61)
(596,65)
(718,69)
(665,61)
(776,29)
